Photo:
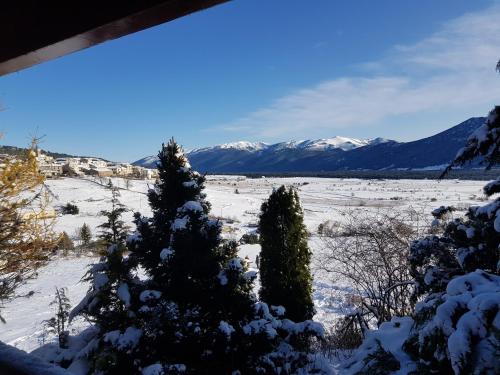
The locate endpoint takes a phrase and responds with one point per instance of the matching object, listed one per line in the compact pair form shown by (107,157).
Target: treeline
(462,174)
(21,151)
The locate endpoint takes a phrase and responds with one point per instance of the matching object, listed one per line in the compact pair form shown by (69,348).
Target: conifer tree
(85,235)
(111,299)
(192,269)
(59,323)
(285,256)
(114,231)
(176,185)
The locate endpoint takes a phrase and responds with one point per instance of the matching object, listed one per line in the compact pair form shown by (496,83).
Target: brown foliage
(26,236)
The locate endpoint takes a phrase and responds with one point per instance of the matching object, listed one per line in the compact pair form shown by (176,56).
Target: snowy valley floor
(237,200)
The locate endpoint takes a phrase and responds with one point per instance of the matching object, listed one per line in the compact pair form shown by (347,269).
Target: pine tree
(114,231)
(59,323)
(457,275)
(111,300)
(85,235)
(191,269)
(285,256)
(176,185)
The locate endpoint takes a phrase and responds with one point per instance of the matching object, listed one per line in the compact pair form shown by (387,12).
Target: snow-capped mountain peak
(240,145)
(244,145)
(377,141)
(324,144)
(343,143)
(330,154)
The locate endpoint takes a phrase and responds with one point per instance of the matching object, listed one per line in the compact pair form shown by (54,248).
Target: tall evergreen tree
(285,256)
(192,270)
(176,185)
(85,235)
(111,299)
(113,230)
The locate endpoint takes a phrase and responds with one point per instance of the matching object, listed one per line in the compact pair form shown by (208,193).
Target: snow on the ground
(26,313)
(237,200)
(15,361)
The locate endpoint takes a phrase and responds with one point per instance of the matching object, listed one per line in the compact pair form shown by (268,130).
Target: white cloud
(452,70)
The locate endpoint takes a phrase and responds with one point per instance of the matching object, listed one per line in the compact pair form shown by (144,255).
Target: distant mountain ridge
(331,154)
(343,143)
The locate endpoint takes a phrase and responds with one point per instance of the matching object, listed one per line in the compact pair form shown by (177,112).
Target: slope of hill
(333,154)
(13,150)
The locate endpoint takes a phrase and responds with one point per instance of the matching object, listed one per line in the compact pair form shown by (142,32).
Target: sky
(265,70)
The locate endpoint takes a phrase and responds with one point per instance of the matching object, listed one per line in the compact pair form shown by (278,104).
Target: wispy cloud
(452,69)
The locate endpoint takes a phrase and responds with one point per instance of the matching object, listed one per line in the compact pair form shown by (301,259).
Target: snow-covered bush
(459,328)
(381,351)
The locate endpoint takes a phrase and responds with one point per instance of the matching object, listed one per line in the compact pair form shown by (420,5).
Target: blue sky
(265,70)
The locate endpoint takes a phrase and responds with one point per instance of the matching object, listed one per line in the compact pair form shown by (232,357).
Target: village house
(144,173)
(50,169)
(121,169)
(47,166)
(81,166)
(99,172)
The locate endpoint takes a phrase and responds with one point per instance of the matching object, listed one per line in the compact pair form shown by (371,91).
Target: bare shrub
(342,338)
(370,251)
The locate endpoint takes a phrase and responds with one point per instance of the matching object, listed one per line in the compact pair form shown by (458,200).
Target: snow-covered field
(237,200)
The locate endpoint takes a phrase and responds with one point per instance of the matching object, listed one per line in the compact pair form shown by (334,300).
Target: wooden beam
(34,31)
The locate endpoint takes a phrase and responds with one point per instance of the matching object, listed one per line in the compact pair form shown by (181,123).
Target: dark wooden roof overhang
(34,31)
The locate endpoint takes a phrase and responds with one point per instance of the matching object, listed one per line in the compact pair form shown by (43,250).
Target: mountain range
(332,154)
